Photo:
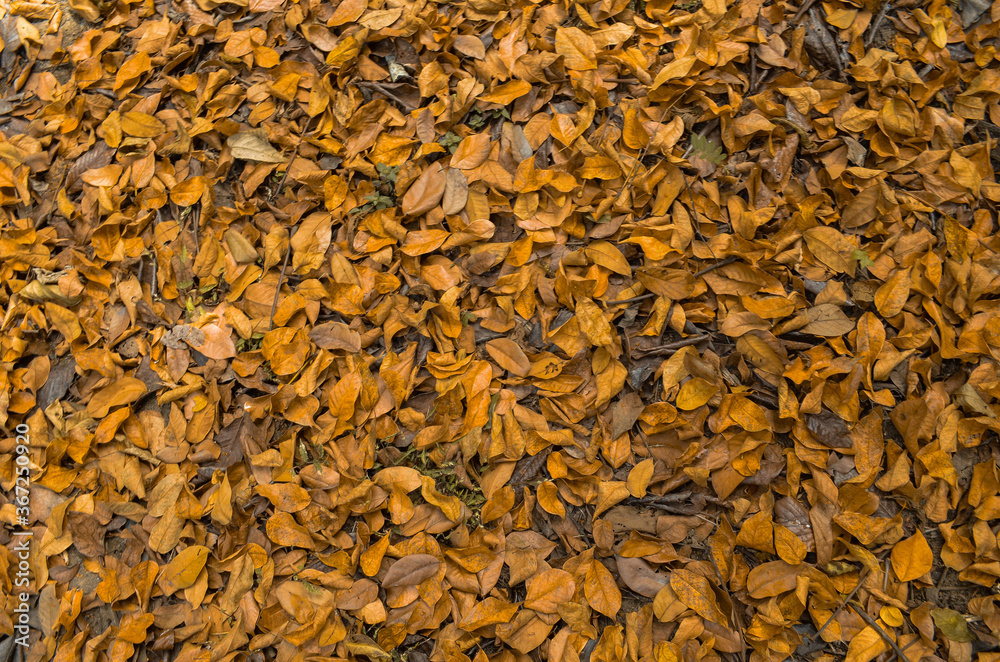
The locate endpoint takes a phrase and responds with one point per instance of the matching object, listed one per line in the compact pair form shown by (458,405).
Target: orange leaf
(425,193)
(183,569)
(639,477)
(122,392)
(893,294)
(509,356)
(285,497)
(912,558)
(600,589)
(491,611)
(472,152)
(695,592)
(548,589)
(577,47)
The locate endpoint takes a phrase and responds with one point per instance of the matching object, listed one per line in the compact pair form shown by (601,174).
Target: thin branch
(281,279)
(650,295)
(291,233)
(55,203)
(802,10)
(384,90)
(631,174)
(694,213)
(641,297)
(288,169)
(873,28)
(720,263)
(882,633)
(195,217)
(840,608)
(672,347)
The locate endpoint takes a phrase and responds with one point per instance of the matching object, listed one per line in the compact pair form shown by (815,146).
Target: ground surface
(502,330)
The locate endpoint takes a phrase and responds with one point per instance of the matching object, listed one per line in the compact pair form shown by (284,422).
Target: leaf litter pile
(498,331)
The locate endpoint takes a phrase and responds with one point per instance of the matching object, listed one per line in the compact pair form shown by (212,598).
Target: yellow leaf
(346,51)
(507,93)
(548,589)
(577,47)
(865,646)
(912,558)
(189,192)
(599,167)
(135,66)
(509,356)
(360,644)
(124,391)
(789,546)
(771,579)
(593,323)
(285,497)
(405,479)
(421,242)
(284,530)
(634,134)
(491,611)
(695,592)
(425,193)
(449,505)
(141,125)
(548,499)
(831,248)
(600,589)
(891,616)
(609,257)
(676,69)
(893,294)
(609,494)
(694,393)
(639,477)
(472,152)
(183,569)
(133,627)
(899,116)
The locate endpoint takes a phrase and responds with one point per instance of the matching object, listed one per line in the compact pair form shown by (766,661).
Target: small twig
(882,633)
(55,203)
(288,169)
(720,263)
(840,608)
(672,347)
(605,80)
(802,10)
(641,297)
(291,233)
(381,88)
(834,37)
(195,216)
(281,279)
(153,283)
(631,174)
(873,28)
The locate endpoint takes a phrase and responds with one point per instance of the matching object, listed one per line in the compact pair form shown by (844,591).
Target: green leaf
(707,149)
(952,625)
(862,257)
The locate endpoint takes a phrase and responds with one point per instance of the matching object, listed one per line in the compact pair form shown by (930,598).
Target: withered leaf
(254,146)
(499,330)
